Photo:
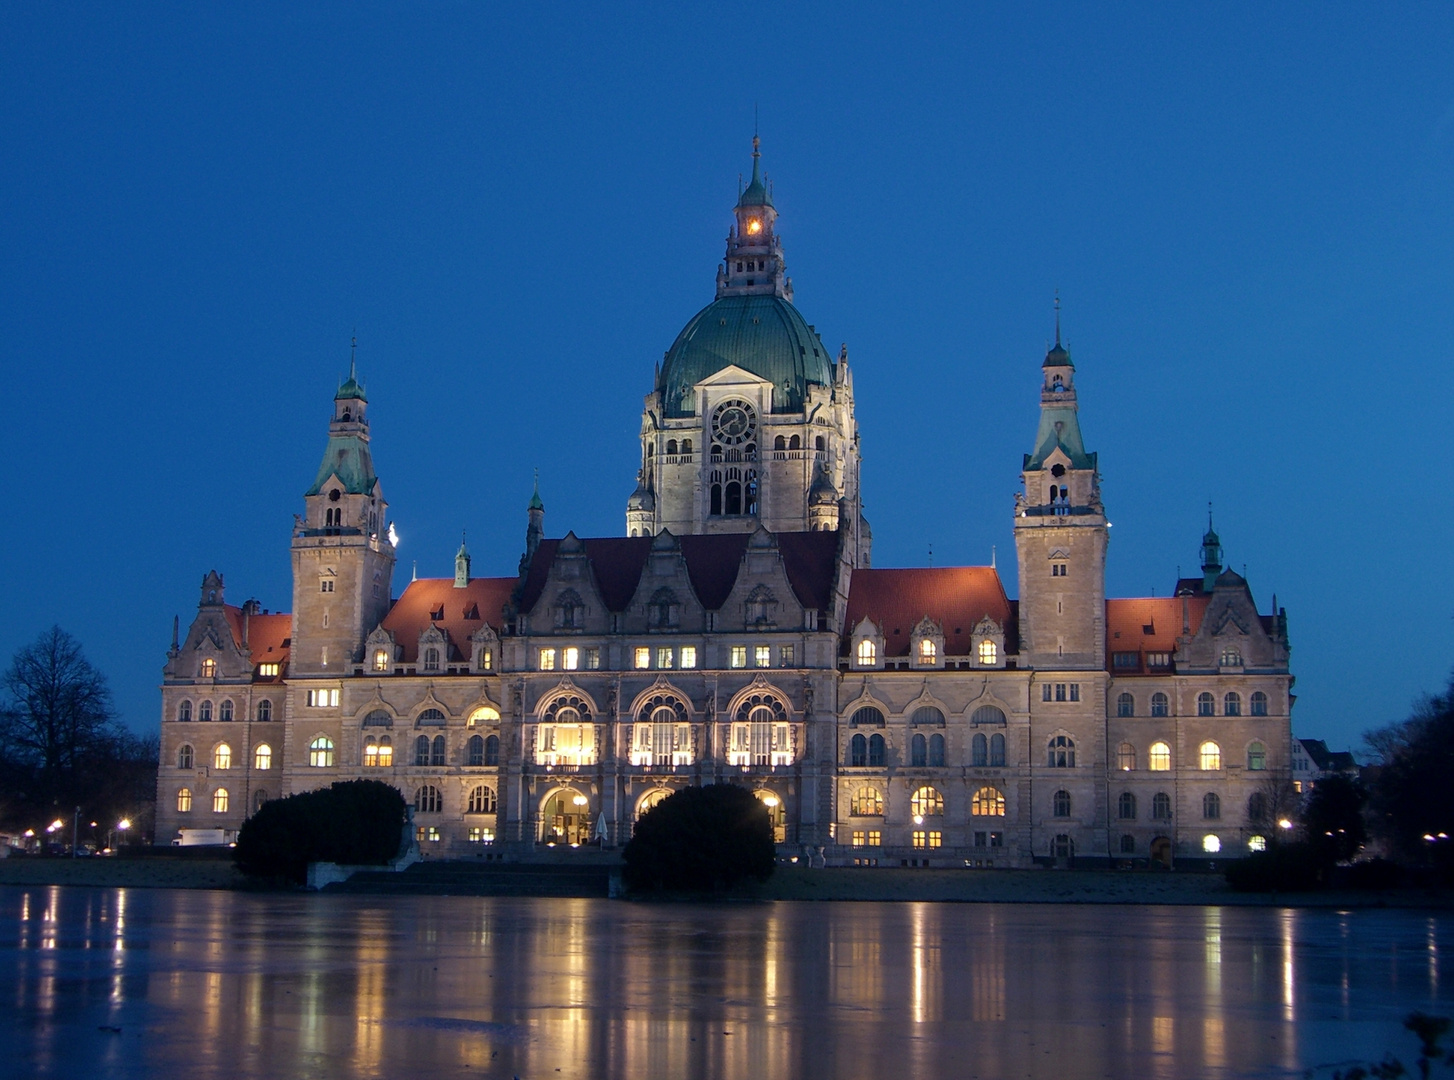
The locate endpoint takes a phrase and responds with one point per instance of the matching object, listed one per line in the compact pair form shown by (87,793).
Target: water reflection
(219,984)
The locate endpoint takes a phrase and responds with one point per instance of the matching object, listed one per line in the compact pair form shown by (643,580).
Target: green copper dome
(762,334)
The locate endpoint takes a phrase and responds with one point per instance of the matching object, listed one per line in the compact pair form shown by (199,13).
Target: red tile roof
(463,612)
(268,636)
(1150,624)
(956,597)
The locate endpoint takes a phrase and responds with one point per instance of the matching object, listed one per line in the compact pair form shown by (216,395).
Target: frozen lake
(205,984)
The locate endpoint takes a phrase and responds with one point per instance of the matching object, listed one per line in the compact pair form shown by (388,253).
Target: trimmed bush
(700,839)
(357,822)
(1284,868)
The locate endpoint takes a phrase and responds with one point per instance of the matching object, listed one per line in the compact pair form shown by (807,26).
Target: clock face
(733,423)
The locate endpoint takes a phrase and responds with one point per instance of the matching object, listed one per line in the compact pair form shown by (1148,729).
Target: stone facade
(738,633)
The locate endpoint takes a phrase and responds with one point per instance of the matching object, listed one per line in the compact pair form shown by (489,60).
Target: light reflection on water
(224,984)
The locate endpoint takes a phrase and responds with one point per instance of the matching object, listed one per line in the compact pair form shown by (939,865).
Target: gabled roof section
(1150,624)
(1059,429)
(956,597)
(346,456)
(463,612)
(269,637)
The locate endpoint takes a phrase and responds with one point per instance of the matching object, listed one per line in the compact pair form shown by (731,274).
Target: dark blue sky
(1247,211)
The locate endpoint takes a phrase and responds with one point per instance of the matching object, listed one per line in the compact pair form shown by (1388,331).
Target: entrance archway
(567,818)
(1161,851)
(777,812)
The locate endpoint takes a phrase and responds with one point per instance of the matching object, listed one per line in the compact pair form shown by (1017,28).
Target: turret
(535,530)
(754,264)
(1211,555)
(462,565)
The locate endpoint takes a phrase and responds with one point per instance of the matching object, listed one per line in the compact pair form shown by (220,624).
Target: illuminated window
(566,736)
(262,756)
(570,659)
(1259,703)
(1061,754)
(1158,660)
(1159,705)
(480,835)
(739,656)
(989,652)
(487,659)
(427,800)
(222,756)
(867,802)
(643,657)
(926,802)
(204,712)
(1126,757)
(381,659)
(209,668)
(1161,807)
(481,800)
(1211,757)
(485,714)
(664,657)
(867,653)
(859,838)
(664,734)
(268,671)
(1125,705)
(760,733)
(1232,704)
(1256,757)
(988,802)
(1159,759)
(219,801)
(322,699)
(1211,843)
(1211,806)
(184,800)
(651,800)
(928,651)
(689,656)
(1126,806)
(875,838)
(1061,803)
(184,756)
(547,660)
(427,834)
(1206,705)
(184,711)
(320,753)
(762,656)
(1257,843)
(264,711)
(378,752)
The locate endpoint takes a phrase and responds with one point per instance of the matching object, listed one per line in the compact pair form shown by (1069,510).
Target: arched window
(566,735)
(184,711)
(264,712)
(492,750)
(988,802)
(184,756)
(1062,847)
(475,750)
(431,659)
(378,718)
(1161,806)
(1256,757)
(732,503)
(1257,808)
(651,800)
(868,716)
(928,714)
(320,753)
(671,446)
(926,802)
(1126,757)
(867,802)
(1159,705)
(184,800)
(877,752)
(1206,704)
(1125,705)
(716,507)
(1259,703)
(663,733)
(378,752)
(997,750)
(780,443)
(686,446)
(979,749)
(262,757)
(1257,843)
(867,652)
(819,443)
(427,800)
(1211,806)
(1159,759)
(222,756)
(761,733)
(381,660)
(481,800)
(918,751)
(928,651)
(858,751)
(986,715)
(421,750)
(989,653)
(1232,704)
(1062,803)
(485,714)
(1061,753)
(204,711)
(1211,757)
(224,711)
(436,751)
(1126,806)
(219,801)
(209,668)
(259,797)
(936,750)
(1128,844)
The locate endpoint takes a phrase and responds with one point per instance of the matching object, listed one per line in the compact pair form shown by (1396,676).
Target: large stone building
(737,632)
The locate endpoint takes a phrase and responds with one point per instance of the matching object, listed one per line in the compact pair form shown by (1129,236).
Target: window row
(480,751)
(481,800)
(262,756)
(1209,757)
(926,653)
(1206,704)
(872,751)
(221,800)
(927,715)
(868,801)
(264,712)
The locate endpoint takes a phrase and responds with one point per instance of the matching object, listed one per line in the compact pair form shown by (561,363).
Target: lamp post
(75,832)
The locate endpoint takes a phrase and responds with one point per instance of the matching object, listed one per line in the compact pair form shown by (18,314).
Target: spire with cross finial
(462,564)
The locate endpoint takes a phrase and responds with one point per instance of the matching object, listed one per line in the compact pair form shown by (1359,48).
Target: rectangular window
(427,833)
(997,839)
(762,656)
(1075,691)
(1158,660)
(981,839)
(689,656)
(1125,661)
(1057,569)
(323,699)
(547,659)
(480,835)
(267,671)
(1060,691)
(785,656)
(936,838)
(739,656)
(593,659)
(570,658)
(858,838)
(1045,692)
(920,839)
(326,585)
(643,658)
(875,838)
(664,657)
(487,659)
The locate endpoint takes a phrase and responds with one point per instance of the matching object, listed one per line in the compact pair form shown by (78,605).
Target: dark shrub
(359,822)
(1284,868)
(1373,874)
(701,838)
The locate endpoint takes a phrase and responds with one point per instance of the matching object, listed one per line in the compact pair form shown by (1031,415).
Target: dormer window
(570,610)
(928,652)
(381,659)
(431,659)
(209,668)
(867,653)
(989,653)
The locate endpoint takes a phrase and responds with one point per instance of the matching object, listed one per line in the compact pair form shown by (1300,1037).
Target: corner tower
(1061,533)
(750,422)
(343,556)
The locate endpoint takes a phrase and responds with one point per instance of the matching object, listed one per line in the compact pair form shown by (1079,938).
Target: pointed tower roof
(351,389)
(1059,421)
(756,193)
(535,503)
